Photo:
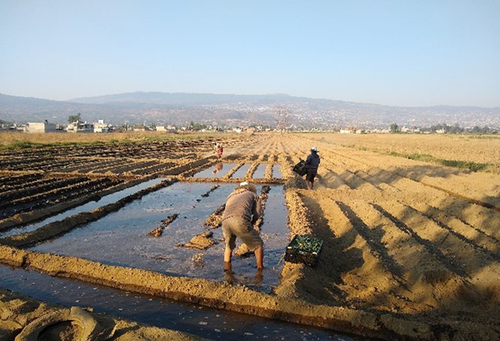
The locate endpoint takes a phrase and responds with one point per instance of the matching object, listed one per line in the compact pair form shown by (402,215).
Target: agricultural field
(410,245)
(464,151)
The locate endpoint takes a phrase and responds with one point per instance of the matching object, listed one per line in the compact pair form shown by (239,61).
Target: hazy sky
(388,52)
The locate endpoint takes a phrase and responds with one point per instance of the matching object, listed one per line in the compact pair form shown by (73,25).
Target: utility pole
(282,116)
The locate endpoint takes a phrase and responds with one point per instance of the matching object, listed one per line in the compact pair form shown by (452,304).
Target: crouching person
(242,210)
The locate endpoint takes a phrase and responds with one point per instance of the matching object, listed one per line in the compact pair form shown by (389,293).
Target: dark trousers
(311,174)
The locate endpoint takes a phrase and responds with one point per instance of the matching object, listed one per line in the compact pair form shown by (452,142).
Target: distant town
(173,112)
(101,126)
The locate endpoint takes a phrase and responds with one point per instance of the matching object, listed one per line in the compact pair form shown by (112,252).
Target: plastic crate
(300,168)
(304,249)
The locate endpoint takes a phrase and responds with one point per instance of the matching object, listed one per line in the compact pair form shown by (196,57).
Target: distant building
(80,127)
(161,128)
(101,127)
(40,127)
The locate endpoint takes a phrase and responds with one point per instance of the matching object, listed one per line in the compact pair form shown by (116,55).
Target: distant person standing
(312,163)
(219,150)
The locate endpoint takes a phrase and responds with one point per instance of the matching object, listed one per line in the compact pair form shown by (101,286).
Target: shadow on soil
(466,243)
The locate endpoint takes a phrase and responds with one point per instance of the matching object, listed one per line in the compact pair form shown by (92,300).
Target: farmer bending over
(242,210)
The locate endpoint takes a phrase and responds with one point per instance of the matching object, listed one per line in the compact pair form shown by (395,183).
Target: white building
(40,127)
(79,127)
(101,127)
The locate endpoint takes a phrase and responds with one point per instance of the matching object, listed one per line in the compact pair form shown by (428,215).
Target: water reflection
(217,168)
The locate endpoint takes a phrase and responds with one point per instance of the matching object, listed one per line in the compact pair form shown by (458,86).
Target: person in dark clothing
(312,162)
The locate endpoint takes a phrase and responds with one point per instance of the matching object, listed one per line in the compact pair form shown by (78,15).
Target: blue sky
(405,53)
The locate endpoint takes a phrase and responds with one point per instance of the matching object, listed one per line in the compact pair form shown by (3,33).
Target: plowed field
(411,249)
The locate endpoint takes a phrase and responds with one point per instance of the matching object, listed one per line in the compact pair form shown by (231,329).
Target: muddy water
(215,171)
(208,323)
(121,237)
(277,172)
(83,208)
(240,173)
(260,172)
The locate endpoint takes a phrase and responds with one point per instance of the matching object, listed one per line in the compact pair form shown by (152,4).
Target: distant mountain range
(182,108)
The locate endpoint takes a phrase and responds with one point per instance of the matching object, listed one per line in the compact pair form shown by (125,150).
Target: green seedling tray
(304,249)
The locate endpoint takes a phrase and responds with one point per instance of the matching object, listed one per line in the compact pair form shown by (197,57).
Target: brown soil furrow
(416,276)
(107,166)
(130,166)
(269,170)
(330,179)
(233,170)
(7,179)
(425,232)
(33,194)
(459,187)
(478,217)
(153,169)
(17,191)
(462,230)
(356,255)
(461,184)
(57,196)
(373,239)
(251,170)
(77,165)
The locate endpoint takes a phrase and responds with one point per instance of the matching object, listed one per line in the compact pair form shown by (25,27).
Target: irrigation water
(205,322)
(121,238)
(107,199)
(260,172)
(277,172)
(240,173)
(216,171)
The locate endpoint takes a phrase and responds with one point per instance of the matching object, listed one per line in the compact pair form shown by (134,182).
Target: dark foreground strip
(242,299)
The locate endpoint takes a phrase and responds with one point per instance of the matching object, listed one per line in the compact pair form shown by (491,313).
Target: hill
(181,108)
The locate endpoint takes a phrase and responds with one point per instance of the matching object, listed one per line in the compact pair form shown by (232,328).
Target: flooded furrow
(160,312)
(260,172)
(216,171)
(240,173)
(121,238)
(277,172)
(107,199)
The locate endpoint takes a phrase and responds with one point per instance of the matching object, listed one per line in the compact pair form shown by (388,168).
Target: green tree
(74,118)
(394,128)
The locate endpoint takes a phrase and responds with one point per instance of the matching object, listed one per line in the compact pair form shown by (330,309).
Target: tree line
(449,129)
